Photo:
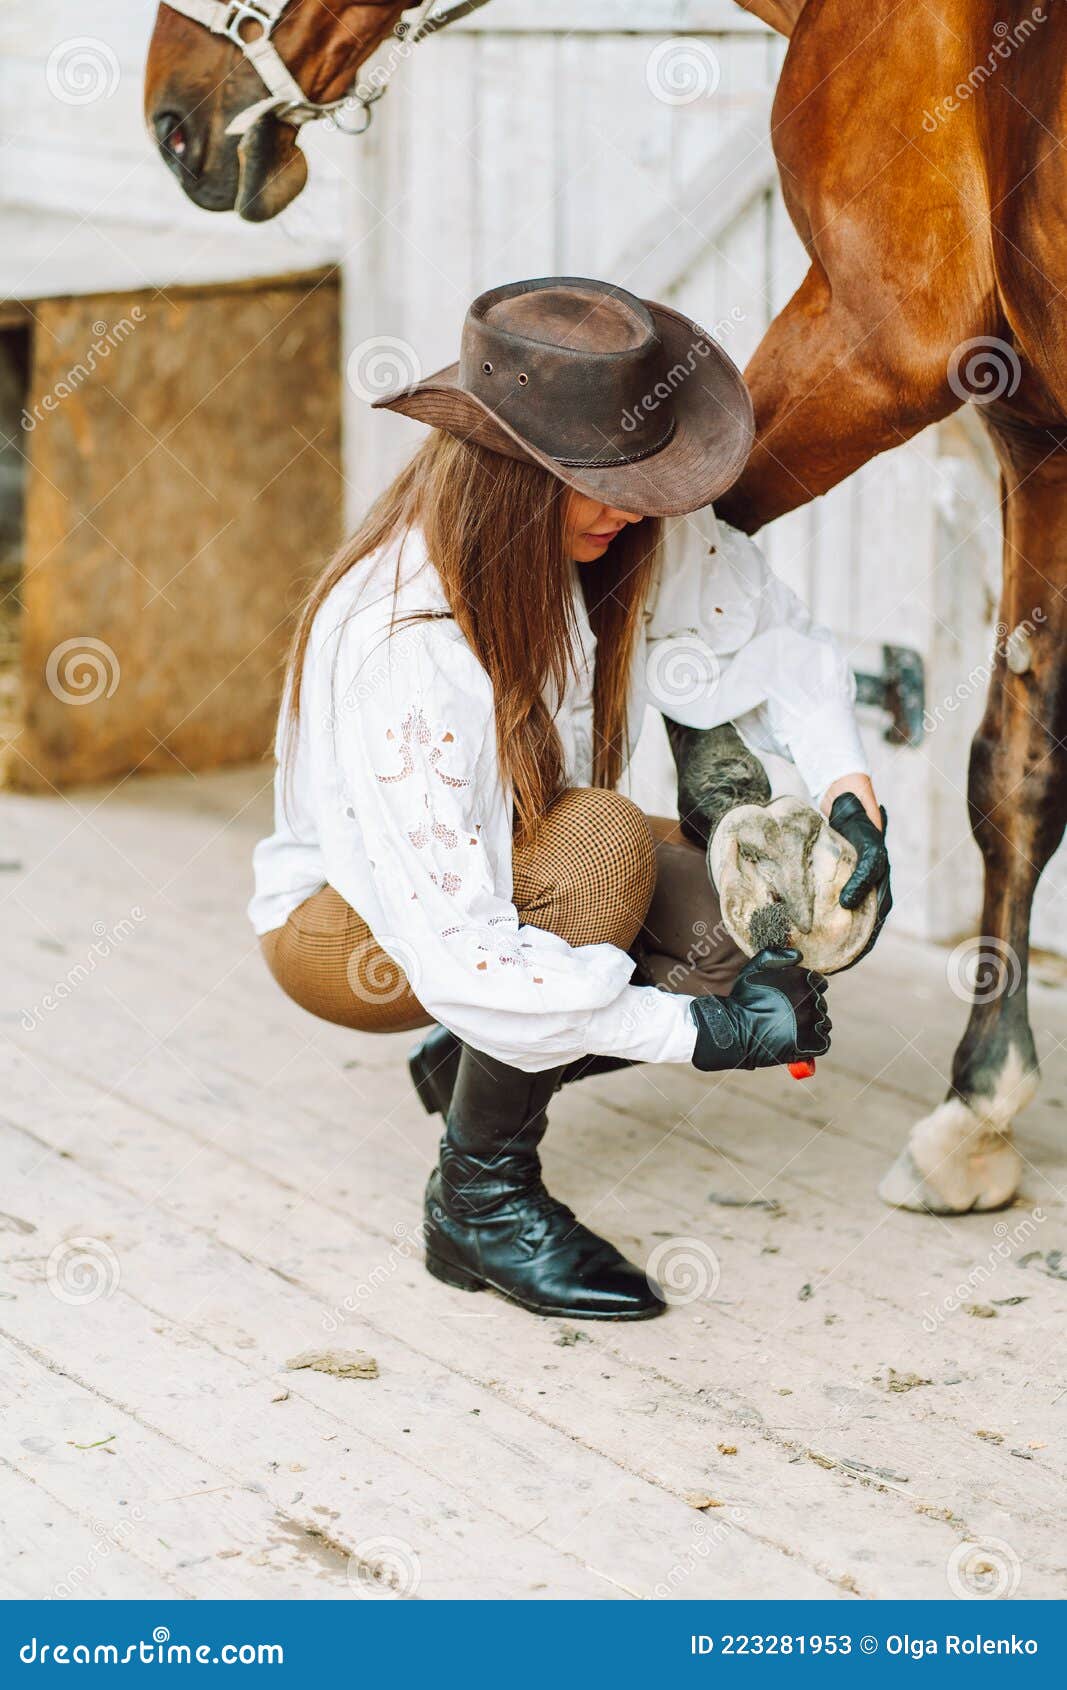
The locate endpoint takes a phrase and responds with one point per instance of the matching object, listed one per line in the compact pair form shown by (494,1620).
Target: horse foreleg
(828,396)
(716,772)
(961,1157)
(830,393)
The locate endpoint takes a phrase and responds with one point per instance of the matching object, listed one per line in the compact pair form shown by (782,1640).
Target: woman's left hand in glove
(851,818)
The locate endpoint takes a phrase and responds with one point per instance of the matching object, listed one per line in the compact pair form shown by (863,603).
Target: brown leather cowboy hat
(625,400)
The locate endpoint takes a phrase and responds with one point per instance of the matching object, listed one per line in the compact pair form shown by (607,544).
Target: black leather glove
(776,1013)
(849,818)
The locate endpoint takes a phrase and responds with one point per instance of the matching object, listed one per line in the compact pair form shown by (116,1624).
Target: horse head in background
(229,84)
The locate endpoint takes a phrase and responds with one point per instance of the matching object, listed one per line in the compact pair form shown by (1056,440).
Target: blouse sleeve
(420,769)
(757,659)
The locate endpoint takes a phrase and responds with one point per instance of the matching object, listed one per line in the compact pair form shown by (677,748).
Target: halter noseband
(285,96)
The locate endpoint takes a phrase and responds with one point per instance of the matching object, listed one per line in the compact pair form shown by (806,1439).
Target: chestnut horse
(919,155)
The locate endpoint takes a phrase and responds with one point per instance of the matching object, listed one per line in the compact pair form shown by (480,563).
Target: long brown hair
(494,530)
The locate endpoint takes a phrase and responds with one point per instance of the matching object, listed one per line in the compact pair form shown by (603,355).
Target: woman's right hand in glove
(776,1013)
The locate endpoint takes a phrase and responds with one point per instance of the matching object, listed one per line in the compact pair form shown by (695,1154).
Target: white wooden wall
(528,142)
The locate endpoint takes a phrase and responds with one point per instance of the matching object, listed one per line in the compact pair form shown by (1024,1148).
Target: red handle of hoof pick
(802,1070)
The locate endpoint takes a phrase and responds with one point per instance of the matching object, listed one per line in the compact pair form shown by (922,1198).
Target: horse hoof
(953,1165)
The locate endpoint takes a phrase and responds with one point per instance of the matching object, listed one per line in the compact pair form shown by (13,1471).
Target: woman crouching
(465,685)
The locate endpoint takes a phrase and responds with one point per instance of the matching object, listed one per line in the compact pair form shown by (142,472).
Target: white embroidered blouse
(395,796)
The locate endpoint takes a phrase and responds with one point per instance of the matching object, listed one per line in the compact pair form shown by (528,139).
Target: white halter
(285,95)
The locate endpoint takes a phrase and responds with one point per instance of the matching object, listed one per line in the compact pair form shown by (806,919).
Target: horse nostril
(171,135)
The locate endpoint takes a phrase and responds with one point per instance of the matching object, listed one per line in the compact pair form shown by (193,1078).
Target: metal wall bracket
(900,690)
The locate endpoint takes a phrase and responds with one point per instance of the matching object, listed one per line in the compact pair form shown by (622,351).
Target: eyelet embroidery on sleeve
(415,730)
(515,957)
(432,829)
(435,757)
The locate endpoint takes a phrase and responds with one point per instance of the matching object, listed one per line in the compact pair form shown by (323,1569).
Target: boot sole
(463,1280)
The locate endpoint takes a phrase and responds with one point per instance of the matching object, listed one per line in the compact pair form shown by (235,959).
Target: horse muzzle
(256,174)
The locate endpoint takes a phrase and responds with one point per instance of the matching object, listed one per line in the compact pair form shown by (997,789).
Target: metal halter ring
(246,11)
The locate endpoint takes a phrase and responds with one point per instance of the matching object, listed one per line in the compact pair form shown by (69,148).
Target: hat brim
(712,438)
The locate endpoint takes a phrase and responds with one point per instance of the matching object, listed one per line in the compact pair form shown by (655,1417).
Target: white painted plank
(44,257)
(614,151)
(665,251)
(515,208)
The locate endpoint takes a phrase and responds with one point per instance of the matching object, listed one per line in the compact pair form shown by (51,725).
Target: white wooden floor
(200,1181)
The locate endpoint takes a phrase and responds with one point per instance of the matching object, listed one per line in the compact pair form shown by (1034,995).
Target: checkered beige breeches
(598,871)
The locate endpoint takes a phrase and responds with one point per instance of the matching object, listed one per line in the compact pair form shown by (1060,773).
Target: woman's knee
(589,871)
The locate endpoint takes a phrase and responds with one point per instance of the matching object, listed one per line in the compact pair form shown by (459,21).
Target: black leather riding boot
(490,1223)
(434,1063)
